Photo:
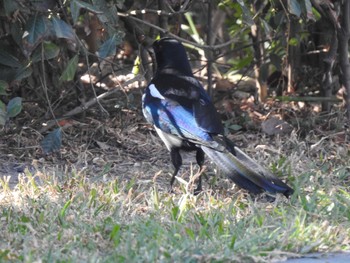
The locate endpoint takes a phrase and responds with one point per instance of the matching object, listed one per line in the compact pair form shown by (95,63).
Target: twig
(92,86)
(308,99)
(163,21)
(313,146)
(209,53)
(184,6)
(150,11)
(207,47)
(91,102)
(43,83)
(170,7)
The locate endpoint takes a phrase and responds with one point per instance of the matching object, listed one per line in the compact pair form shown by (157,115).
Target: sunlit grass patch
(72,215)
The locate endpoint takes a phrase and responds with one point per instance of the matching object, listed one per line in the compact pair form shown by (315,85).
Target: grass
(69,216)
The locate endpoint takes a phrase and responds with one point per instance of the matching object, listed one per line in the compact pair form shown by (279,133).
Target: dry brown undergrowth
(123,144)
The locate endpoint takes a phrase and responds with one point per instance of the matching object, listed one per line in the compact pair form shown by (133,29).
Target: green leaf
(294,7)
(112,19)
(62,29)
(37,28)
(175,212)
(293,41)
(75,10)
(233,242)
(136,68)
(10,6)
(247,15)
(190,233)
(76,5)
(52,142)
(51,51)
(109,14)
(2,113)
(8,59)
(69,72)
(7,74)
(23,72)
(235,127)
(241,63)
(65,208)
(109,47)
(309,12)
(267,28)
(43,5)
(14,107)
(115,234)
(2,106)
(3,87)
(17,32)
(317,16)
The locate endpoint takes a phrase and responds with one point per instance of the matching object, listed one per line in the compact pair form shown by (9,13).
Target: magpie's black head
(171,54)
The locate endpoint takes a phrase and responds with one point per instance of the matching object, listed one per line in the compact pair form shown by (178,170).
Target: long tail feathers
(245,172)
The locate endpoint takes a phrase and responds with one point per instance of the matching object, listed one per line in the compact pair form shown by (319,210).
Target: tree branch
(209,53)
(166,32)
(90,103)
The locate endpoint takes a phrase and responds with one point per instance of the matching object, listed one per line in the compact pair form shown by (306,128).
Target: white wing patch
(155,93)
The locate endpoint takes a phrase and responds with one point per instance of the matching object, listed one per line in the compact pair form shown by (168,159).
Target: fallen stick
(81,108)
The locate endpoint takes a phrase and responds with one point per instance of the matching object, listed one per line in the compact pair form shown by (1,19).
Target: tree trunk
(258,54)
(343,37)
(163,20)
(328,64)
(293,54)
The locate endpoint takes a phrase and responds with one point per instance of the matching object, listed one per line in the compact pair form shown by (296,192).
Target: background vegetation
(81,176)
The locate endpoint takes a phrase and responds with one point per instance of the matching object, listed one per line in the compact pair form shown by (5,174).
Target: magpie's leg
(177,162)
(200,162)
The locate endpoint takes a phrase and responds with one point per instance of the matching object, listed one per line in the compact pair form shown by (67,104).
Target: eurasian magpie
(185,119)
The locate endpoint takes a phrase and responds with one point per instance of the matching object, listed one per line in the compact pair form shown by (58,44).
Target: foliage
(41,37)
(45,41)
(52,142)
(272,18)
(11,110)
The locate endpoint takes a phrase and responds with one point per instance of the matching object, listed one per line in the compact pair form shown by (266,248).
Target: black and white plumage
(186,119)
